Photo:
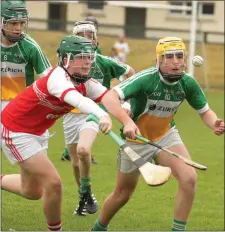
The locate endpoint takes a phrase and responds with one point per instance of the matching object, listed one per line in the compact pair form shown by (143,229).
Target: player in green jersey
(156,94)
(79,134)
(20,54)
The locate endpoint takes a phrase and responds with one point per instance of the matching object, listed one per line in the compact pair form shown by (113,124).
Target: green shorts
(147,152)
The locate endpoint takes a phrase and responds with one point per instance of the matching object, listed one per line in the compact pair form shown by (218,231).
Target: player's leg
(37,173)
(65,155)
(125,186)
(127,179)
(185,175)
(23,184)
(87,137)
(72,149)
(71,126)
(41,168)
(69,121)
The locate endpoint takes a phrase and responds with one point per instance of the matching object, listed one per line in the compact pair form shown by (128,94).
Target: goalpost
(193,26)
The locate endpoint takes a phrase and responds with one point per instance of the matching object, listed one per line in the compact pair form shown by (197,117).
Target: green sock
(178,225)
(85,183)
(66,153)
(99,227)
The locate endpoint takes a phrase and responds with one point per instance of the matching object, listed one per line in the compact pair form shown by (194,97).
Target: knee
(189,180)
(123,195)
(75,164)
(54,184)
(83,152)
(32,194)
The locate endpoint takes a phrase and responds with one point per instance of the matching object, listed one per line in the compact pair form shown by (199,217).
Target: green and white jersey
(154,101)
(107,68)
(18,63)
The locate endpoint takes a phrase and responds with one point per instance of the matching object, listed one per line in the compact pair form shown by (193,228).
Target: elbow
(111,94)
(131,72)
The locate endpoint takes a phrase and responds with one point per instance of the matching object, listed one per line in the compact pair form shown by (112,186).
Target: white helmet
(84,27)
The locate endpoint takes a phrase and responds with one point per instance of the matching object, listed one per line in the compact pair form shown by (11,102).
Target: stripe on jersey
(65,92)
(136,76)
(43,101)
(45,61)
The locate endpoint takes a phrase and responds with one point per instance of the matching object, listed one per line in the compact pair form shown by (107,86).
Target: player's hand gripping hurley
(154,175)
(187,161)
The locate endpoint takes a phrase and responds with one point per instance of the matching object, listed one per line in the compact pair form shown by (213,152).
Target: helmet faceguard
(85,29)
(171,58)
(84,60)
(14,18)
(80,55)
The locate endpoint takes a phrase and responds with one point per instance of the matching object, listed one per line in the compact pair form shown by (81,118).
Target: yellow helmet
(169,44)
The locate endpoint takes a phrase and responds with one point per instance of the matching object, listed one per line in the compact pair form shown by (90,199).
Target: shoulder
(103,59)
(189,80)
(145,77)
(60,73)
(109,61)
(57,74)
(148,73)
(30,43)
(92,82)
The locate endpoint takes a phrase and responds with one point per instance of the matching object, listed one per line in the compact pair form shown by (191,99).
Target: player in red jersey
(26,119)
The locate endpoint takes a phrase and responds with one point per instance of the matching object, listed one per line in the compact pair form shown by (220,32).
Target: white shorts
(147,152)
(73,124)
(19,146)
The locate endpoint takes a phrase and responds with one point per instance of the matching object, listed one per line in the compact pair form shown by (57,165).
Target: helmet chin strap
(172,77)
(78,79)
(11,38)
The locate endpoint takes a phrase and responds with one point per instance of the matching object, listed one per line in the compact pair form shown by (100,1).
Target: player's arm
(63,89)
(99,93)
(118,69)
(130,88)
(196,98)
(111,101)
(212,121)
(130,73)
(39,60)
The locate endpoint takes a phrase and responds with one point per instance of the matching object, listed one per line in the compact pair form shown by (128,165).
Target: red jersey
(42,103)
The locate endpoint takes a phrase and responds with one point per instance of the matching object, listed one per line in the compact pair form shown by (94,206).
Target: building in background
(138,19)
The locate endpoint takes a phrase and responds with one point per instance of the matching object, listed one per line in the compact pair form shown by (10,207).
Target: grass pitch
(150,208)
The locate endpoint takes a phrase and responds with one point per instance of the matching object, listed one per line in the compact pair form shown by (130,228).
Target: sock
(55,226)
(85,183)
(99,227)
(178,225)
(66,153)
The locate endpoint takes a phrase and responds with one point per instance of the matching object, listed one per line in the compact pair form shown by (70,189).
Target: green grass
(150,208)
